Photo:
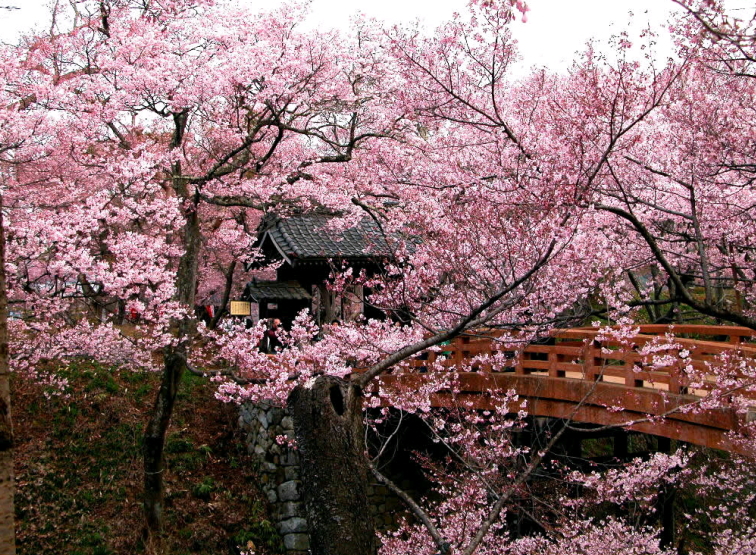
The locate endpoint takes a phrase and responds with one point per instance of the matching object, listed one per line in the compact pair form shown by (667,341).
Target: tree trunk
(331,442)
(666,504)
(154,442)
(7,526)
(226,296)
(174,357)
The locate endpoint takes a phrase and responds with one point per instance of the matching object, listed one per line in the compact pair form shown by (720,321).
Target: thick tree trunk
(154,442)
(7,527)
(330,438)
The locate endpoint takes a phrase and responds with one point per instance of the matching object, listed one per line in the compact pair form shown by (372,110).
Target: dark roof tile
(257,291)
(307,236)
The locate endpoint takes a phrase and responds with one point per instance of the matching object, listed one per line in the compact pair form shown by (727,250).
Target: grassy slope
(78,469)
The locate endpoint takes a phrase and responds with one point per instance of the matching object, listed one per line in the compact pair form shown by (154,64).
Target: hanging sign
(240,308)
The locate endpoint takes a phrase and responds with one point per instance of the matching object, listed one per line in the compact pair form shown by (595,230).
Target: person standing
(271,341)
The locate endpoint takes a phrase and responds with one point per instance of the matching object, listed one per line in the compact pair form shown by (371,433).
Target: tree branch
(443,546)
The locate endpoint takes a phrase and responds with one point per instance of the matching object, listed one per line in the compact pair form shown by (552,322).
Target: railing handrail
(578,353)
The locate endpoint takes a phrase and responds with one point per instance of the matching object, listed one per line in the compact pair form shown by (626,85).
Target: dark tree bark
(226,296)
(666,504)
(174,357)
(7,523)
(154,443)
(330,438)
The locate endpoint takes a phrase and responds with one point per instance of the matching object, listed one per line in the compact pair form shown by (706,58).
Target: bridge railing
(680,387)
(685,364)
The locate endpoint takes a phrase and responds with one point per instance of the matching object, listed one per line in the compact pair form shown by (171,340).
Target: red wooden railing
(578,374)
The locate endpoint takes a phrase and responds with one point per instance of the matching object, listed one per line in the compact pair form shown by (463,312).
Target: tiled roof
(256,291)
(307,237)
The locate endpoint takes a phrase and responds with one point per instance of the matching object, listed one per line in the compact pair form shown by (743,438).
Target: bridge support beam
(666,503)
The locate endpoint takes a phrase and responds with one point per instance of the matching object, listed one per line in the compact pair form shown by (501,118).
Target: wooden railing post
(675,385)
(520,367)
(553,364)
(592,370)
(459,354)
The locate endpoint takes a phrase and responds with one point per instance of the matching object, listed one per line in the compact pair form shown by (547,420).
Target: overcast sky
(555,29)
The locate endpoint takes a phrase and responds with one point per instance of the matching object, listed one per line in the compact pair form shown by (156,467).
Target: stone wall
(280,475)
(386,507)
(281,479)
(279,465)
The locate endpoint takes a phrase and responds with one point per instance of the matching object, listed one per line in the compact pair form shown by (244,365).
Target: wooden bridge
(580,375)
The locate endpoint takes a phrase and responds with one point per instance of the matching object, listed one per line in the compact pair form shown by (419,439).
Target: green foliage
(102,381)
(175,443)
(93,543)
(205,488)
(258,529)
(597,447)
(185,457)
(261,533)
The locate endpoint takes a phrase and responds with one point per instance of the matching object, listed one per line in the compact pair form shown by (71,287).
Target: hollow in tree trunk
(330,438)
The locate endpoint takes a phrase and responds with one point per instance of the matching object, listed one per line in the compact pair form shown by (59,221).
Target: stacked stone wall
(261,425)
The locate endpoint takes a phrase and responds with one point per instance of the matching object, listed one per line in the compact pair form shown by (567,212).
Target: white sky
(555,30)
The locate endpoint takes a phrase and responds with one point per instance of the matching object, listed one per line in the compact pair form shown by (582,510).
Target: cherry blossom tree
(16,143)
(156,134)
(685,207)
(493,225)
(159,139)
(7,517)
(166,127)
(513,190)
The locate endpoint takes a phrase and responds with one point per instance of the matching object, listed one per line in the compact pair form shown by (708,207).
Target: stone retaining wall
(260,425)
(279,464)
